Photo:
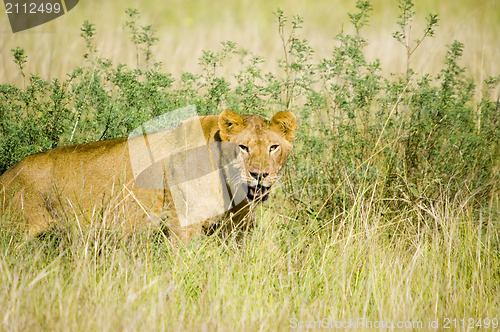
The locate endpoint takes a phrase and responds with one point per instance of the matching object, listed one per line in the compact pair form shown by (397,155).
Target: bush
(415,134)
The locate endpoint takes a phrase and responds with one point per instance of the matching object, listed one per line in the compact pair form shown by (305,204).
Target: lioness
(82,182)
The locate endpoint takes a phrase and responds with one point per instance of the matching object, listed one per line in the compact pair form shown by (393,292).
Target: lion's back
(63,163)
(49,184)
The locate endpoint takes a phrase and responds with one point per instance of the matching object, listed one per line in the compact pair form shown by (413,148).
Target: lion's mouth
(258,192)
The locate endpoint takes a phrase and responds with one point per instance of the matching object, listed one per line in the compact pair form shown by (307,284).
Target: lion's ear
(284,122)
(230,123)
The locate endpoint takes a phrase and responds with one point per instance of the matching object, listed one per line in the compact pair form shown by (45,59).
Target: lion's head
(264,147)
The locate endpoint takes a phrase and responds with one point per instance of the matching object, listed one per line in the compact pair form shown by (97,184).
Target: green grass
(357,265)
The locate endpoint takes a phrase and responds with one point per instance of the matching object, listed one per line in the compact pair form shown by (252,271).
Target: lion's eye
(273,147)
(244,148)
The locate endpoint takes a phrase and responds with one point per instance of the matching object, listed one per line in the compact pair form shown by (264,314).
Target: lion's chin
(259,192)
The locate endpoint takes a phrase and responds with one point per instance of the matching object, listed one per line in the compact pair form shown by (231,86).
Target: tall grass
(185,29)
(358,265)
(388,210)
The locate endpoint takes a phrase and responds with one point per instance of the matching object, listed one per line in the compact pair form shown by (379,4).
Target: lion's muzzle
(258,192)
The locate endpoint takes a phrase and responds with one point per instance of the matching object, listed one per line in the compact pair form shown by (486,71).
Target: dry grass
(357,265)
(186,28)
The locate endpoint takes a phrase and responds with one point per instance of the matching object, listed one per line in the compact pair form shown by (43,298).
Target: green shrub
(414,135)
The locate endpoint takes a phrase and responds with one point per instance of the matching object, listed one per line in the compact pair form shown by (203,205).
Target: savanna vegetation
(388,209)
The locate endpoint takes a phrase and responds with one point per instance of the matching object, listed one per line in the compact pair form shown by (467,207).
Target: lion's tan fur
(82,181)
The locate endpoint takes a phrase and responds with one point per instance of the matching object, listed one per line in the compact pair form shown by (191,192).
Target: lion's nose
(259,175)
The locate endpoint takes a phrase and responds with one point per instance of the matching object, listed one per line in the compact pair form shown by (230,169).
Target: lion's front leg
(182,234)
